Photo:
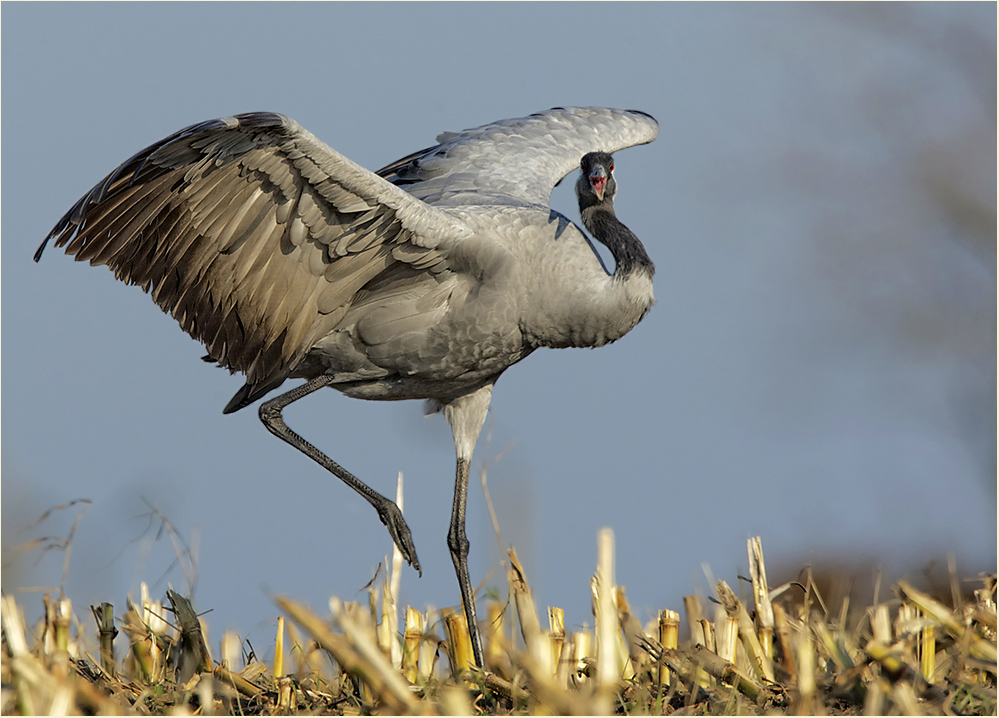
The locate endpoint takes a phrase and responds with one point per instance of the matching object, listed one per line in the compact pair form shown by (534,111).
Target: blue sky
(819,369)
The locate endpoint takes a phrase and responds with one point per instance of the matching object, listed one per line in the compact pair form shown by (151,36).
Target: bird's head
(596,181)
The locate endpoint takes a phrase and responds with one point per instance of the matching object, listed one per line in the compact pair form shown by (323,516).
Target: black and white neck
(595,191)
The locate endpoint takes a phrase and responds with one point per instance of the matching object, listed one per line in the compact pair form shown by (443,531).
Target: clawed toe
(391,516)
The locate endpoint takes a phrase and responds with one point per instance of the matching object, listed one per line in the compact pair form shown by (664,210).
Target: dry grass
(773,651)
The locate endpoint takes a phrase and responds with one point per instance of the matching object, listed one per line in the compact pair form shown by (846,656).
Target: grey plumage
(425,280)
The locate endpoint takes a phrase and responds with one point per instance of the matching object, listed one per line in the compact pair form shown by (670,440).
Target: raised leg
(466,415)
(388,512)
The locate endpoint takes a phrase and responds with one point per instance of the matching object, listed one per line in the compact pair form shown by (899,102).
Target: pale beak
(598,181)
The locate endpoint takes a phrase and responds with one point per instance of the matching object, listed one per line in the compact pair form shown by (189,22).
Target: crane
(424,280)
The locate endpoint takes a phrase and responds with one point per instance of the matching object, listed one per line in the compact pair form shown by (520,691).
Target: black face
(597,175)
(590,159)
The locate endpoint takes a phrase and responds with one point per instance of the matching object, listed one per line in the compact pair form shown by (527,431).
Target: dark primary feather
(235,229)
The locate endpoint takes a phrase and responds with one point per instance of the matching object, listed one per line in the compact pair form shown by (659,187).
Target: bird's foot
(391,516)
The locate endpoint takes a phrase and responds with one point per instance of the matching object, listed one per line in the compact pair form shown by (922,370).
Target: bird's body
(425,280)
(533,281)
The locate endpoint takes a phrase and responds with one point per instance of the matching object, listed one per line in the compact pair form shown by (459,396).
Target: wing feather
(516,161)
(254,235)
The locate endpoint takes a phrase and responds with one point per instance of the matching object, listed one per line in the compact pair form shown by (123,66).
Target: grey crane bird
(425,280)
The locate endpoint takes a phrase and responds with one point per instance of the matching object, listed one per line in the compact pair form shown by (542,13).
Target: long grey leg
(458,543)
(388,512)
(466,415)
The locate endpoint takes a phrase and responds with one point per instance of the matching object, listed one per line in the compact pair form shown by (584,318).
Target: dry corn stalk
(356,653)
(537,642)
(804,702)
(63,616)
(631,637)
(388,627)
(708,631)
(362,632)
(605,612)
(726,634)
(106,633)
(761,596)
(497,646)
(48,629)
(556,633)
(429,652)
(834,646)
(285,691)
(582,652)
(783,630)
(279,649)
(928,651)
(229,650)
(881,624)
(726,671)
(146,629)
(906,621)
(236,681)
(388,636)
(695,622)
(58,658)
(458,641)
(17,644)
(413,636)
(308,655)
(692,607)
(194,655)
(984,610)
(978,646)
(565,664)
(758,659)
(669,631)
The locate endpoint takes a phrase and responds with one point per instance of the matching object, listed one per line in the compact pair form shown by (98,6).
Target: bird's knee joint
(270,415)
(458,544)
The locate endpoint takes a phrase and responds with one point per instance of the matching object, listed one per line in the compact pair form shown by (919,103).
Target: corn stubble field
(750,650)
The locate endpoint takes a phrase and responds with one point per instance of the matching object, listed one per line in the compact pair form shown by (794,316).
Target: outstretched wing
(255,236)
(516,161)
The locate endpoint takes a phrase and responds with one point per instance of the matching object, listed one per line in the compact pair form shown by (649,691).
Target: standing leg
(388,512)
(458,544)
(466,415)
